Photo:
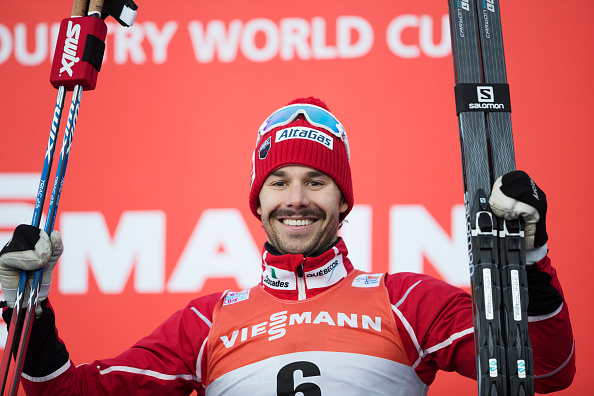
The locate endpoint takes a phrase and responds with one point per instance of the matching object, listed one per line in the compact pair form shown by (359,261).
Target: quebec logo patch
(327,275)
(367,280)
(264,148)
(235,297)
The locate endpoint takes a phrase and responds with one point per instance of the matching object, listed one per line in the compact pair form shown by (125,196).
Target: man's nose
(297,197)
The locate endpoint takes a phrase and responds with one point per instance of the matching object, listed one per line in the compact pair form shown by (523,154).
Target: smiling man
(300,209)
(314,325)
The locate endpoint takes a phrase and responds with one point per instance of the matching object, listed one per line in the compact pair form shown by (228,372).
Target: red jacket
(432,319)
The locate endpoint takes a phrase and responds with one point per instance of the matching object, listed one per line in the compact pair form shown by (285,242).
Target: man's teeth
(293,222)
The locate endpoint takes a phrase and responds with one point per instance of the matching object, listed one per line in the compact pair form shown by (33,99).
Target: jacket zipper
(300,283)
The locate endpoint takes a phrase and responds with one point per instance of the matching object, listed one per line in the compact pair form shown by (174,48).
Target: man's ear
(259,209)
(343,204)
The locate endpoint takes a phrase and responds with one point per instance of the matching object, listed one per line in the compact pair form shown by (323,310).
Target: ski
(520,373)
(496,247)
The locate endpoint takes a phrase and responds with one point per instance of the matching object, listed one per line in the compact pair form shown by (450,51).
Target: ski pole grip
(79,8)
(95,8)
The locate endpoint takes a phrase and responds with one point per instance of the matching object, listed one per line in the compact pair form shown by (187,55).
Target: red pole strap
(79,53)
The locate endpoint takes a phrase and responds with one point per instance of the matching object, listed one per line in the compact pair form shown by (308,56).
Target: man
(314,325)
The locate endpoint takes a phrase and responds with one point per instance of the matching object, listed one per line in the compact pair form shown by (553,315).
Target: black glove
(515,194)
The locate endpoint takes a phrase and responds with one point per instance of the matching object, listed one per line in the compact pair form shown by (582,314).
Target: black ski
(496,247)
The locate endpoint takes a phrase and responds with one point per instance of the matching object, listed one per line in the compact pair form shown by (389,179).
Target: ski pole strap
(93,52)
(482,97)
(79,53)
(123,11)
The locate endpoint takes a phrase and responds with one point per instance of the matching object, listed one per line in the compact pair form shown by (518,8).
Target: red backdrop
(160,165)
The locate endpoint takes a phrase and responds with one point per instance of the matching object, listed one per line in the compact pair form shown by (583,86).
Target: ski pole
(39,202)
(78,9)
(77,60)
(37,276)
(94,9)
(26,318)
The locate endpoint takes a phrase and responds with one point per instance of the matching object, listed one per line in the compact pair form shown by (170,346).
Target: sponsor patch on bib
(235,297)
(367,280)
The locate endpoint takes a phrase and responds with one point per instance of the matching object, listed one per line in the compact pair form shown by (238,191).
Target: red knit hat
(302,143)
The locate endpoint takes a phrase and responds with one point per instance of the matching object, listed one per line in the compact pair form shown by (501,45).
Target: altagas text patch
(305,133)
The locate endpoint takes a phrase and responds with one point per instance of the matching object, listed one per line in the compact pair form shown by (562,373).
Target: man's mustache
(306,212)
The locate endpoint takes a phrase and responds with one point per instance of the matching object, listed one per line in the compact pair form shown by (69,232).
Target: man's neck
(273,250)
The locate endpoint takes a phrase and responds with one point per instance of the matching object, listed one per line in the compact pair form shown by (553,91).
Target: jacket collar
(296,277)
